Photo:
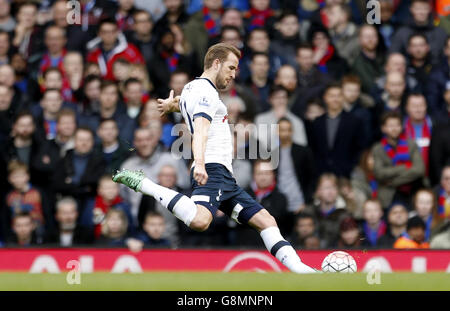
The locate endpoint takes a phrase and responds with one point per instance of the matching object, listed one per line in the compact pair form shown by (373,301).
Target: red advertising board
(122,260)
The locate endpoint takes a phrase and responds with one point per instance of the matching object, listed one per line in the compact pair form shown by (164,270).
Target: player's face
(227,71)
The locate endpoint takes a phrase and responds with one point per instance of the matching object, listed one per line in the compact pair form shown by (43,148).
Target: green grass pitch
(218,281)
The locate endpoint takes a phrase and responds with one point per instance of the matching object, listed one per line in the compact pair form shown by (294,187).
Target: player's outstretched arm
(200,137)
(168,105)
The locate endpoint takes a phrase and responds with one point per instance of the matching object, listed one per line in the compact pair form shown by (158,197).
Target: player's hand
(166,105)
(200,175)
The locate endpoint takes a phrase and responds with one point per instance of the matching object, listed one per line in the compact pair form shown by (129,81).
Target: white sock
(283,251)
(180,205)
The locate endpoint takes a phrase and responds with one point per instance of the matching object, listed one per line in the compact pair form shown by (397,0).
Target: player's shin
(283,251)
(180,205)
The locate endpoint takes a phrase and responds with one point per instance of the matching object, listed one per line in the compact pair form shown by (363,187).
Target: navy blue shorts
(222,192)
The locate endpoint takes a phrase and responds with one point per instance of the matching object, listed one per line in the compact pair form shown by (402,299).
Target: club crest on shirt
(225,118)
(204,102)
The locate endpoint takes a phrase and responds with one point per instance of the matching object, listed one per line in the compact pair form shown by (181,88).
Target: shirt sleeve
(205,106)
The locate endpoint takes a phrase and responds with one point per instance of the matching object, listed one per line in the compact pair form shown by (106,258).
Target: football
(339,261)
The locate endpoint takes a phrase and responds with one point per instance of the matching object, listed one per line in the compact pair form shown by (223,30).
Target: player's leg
(245,210)
(281,249)
(195,216)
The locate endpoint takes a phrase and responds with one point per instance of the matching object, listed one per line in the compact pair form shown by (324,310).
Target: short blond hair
(220,51)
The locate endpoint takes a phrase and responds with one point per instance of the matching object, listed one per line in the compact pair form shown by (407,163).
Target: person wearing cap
(414,236)
(397,217)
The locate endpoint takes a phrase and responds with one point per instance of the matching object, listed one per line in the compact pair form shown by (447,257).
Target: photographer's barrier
(121,260)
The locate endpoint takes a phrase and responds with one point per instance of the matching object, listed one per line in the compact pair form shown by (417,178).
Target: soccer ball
(339,261)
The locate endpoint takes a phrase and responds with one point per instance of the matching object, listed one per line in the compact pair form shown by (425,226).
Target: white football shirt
(200,98)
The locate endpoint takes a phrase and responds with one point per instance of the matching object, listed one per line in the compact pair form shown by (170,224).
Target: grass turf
(217,281)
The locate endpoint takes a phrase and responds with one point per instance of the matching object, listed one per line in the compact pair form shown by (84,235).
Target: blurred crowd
(362,112)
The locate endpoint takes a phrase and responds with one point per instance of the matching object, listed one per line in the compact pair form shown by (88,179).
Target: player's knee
(200,225)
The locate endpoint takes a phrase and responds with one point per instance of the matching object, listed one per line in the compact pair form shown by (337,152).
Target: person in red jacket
(109,46)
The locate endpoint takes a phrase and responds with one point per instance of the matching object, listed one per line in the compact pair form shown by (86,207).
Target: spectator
(393,98)
(107,198)
(167,177)
(24,197)
(368,65)
(133,94)
(422,21)
(343,32)
(242,164)
(27,37)
(54,79)
(168,58)
(91,93)
(73,67)
(439,151)
(5,46)
(349,234)
(258,84)
(325,55)
(295,174)
(150,157)
(354,104)
(420,64)
(328,208)
(418,125)
(232,35)
(153,231)
(55,42)
(441,240)
(110,45)
(175,14)
(124,14)
(265,190)
(110,108)
(398,165)
(113,150)
(150,117)
(50,151)
(373,226)
(267,133)
(311,82)
(23,143)
(425,206)
(67,232)
(7,77)
(259,42)
(141,34)
(232,16)
(363,182)
(396,62)
(202,26)
(47,112)
(7,22)
(24,231)
(259,15)
(340,151)
(389,22)
(114,230)
(437,84)
(443,193)
(78,172)
(397,217)
(415,235)
(7,111)
(288,38)
(304,227)
(314,109)
(287,78)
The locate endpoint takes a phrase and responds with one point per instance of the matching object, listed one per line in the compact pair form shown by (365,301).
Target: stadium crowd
(363,115)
